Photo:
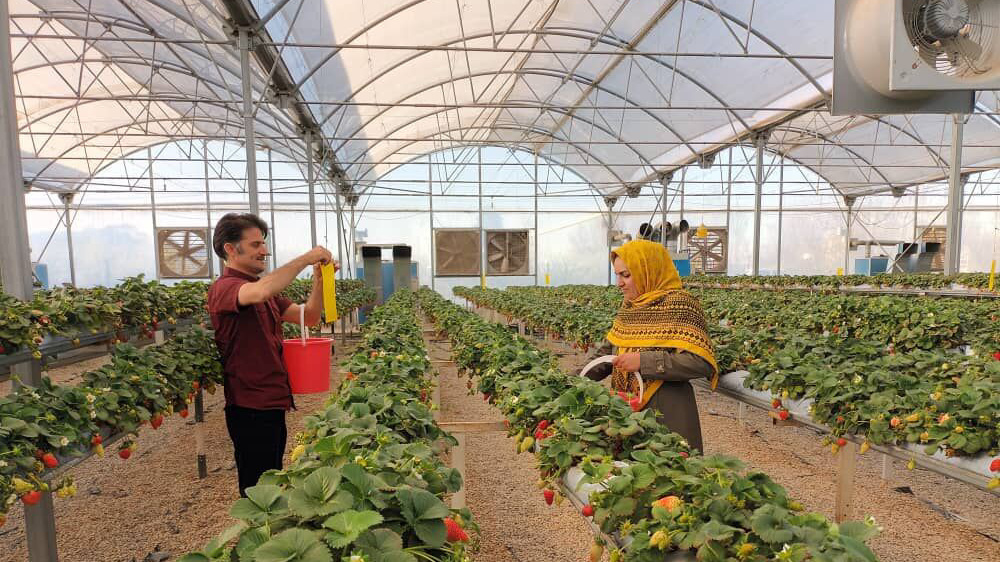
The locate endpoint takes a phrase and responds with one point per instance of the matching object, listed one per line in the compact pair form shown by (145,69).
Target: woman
(659,332)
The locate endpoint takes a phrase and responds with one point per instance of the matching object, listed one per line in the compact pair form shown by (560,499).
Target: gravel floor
(500,486)
(128,509)
(925,516)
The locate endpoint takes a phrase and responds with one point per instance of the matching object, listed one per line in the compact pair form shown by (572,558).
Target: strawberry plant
(718,509)
(365,480)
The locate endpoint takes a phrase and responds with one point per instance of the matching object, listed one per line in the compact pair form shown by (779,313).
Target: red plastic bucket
(308,365)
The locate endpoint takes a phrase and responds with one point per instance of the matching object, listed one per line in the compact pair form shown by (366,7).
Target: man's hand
(320,255)
(628,362)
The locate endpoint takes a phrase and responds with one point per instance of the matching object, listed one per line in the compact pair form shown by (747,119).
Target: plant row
(884,280)
(938,399)
(136,304)
(658,495)
(43,427)
(365,482)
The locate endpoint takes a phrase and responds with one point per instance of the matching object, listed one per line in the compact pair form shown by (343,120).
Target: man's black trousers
(259,438)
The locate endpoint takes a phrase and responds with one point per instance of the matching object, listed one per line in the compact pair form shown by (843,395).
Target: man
(247,311)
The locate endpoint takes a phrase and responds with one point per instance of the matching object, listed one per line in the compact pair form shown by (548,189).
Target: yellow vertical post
(329,293)
(993,275)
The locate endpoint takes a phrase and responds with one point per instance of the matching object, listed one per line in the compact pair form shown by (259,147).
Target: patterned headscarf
(663,315)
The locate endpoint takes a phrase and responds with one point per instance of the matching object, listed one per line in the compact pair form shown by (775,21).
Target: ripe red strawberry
(549,495)
(995,465)
(587,511)
(183,413)
(2,350)
(32,497)
(156,421)
(635,404)
(539,435)
(96,440)
(50,460)
(125,453)
(995,355)
(543,424)
(455,532)
(195,385)
(783,415)
(487,397)
(622,395)
(840,419)
(775,403)
(841,442)
(684,454)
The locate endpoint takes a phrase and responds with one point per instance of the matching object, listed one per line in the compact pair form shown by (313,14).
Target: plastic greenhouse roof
(389,80)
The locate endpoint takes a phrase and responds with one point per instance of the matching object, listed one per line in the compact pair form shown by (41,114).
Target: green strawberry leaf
(293,545)
(347,526)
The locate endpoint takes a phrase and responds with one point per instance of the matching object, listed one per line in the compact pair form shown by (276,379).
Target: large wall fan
(182,253)
(507,252)
(914,56)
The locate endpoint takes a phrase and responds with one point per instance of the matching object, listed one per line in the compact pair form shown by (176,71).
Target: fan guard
(182,253)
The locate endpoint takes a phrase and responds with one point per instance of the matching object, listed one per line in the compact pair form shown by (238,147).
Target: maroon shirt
(249,340)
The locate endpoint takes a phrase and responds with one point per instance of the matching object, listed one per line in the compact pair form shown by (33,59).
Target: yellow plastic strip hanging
(329,293)
(993,275)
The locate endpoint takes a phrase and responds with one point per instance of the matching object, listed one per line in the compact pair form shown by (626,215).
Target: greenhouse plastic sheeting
(658,111)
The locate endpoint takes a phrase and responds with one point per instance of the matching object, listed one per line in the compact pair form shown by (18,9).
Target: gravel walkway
(516,524)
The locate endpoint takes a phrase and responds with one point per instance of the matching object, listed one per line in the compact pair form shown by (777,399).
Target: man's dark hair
(229,230)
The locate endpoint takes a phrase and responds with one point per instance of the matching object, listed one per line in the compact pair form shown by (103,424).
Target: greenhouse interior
(382,280)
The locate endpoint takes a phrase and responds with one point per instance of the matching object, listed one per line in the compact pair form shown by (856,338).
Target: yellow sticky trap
(548,279)
(993,275)
(329,292)
(840,271)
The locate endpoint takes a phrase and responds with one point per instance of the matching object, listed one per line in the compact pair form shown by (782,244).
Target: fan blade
(968,50)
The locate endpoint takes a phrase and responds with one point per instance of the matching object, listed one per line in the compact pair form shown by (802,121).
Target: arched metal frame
(216,40)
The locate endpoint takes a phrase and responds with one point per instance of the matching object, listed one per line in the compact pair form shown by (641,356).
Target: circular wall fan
(182,253)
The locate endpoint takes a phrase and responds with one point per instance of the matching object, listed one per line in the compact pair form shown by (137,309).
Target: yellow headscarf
(663,315)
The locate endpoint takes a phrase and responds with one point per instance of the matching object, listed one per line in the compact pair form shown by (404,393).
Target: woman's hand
(628,362)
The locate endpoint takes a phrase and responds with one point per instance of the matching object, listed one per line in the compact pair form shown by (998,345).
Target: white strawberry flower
(3,464)
(63,442)
(91,398)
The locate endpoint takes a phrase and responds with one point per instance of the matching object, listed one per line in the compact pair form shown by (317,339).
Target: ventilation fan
(708,252)
(456,252)
(182,253)
(914,56)
(507,252)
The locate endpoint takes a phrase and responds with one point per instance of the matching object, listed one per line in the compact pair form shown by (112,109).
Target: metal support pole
(482,233)
(849,217)
(152,204)
(760,140)
(781,207)
(67,199)
(270,189)
(953,233)
(535,192)
(311,184)
(15,268)
(208,212)
(199,433)
(916,211)
(729,203)
(664,182)
(430,196)
(248,124)
(341,242)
